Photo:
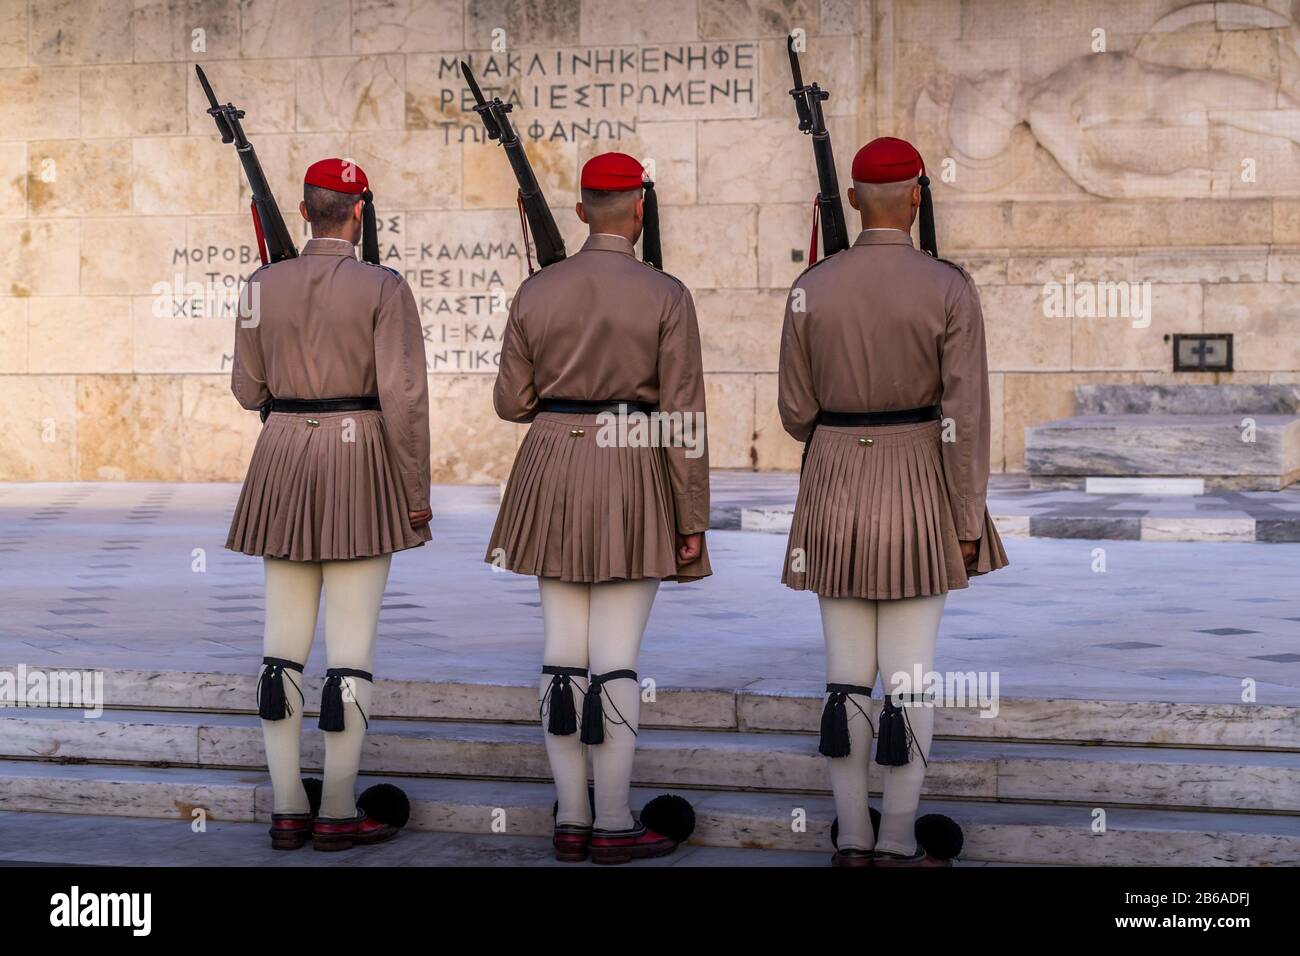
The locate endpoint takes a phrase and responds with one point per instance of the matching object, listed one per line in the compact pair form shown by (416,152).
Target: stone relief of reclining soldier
(1070,112)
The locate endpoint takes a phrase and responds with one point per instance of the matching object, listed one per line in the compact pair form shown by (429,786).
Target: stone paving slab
(135,576)
(114,841)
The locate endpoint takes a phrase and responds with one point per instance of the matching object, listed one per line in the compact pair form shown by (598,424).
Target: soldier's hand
(969,551)
(689,547)
(420,518)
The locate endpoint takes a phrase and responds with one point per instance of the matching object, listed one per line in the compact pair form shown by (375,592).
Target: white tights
(354,591)
(596,626)
(863,638)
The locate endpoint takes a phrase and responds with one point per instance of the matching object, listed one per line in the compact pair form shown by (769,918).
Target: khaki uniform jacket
(327,325)
(603,326)
(883,326)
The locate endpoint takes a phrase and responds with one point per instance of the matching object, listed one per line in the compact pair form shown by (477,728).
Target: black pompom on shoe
(671,816)
(940,836)
(385,803)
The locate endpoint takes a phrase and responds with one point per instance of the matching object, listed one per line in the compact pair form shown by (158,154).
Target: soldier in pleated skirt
(883,375)
(330,350)
(608,496)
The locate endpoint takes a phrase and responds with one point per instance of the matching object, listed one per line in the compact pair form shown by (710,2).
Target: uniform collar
(604,242)
(883,237)
(329,247)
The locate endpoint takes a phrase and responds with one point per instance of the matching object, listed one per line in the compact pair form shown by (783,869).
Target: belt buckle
(313,422)
(577,432)
(866,441)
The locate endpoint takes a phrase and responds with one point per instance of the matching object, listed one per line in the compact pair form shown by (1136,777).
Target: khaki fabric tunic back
(601,326)
(336,485)
(882,326)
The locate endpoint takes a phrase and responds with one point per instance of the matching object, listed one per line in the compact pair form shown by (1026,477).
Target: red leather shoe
(571,842)
(361,830)
(290,831)
(918,859)
(851,857)
(622,846)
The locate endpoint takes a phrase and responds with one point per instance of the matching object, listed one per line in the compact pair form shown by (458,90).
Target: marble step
(764,705)
(1157,777)
(70,840)
(1006,833)
(1065,453)
(1182,399)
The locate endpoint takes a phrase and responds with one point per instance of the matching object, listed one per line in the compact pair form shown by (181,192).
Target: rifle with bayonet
(273,240)
(829,210)
(532,204)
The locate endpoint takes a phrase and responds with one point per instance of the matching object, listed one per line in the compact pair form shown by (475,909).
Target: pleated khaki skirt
(586,513)
(322,492)
(874,520)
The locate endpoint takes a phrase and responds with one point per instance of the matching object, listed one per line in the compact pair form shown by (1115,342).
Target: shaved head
(606,207)
(328,209)
(886,205)
(884,200)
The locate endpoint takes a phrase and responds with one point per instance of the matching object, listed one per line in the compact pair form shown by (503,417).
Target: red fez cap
(340,175)
(887,160)
(613,172)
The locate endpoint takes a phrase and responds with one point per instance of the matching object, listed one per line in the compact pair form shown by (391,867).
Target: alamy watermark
(24,686)
(656,429)
(1085,299)
(977,689)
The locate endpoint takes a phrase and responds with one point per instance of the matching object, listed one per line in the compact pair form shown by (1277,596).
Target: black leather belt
(299,406)
(899,416)
(581,406)
(295,406)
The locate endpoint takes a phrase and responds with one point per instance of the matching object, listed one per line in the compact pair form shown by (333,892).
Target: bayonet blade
(207,87)
(473,83)
(794,61)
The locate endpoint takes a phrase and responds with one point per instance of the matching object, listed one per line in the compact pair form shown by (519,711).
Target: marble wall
(1106,141)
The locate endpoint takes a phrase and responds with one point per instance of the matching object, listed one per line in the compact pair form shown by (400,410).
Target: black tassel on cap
(928,243)
(557,703)
(835,719)
(272,702)
(331,698)
(369,230)
(650,248)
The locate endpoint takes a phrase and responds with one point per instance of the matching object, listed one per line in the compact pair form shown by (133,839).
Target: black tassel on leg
(835,719)
(835,727)
(272,702)
(331,698)
(557,704)
(593,707)
(593,715)
(892,749)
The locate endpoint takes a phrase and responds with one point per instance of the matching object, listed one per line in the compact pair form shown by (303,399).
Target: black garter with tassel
(331,698)
(894,749)
(593,710)
(557,703)
(835,718)
(272,703)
